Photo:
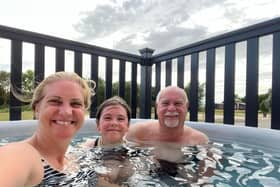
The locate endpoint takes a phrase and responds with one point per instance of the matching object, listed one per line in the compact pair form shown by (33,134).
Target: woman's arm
(20,165)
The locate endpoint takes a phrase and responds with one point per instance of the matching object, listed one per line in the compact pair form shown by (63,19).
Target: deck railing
(146,60)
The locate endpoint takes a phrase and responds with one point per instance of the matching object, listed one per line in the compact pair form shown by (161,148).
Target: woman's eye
(54,102)
(107,118)
(178,104)
(121,119)
(76,105)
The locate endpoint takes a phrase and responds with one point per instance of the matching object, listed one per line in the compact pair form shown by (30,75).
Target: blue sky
(134,24)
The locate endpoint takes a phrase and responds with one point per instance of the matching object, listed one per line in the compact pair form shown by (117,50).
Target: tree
(201,93)
(265,102)
(127,92)
(4,87)
(28,83)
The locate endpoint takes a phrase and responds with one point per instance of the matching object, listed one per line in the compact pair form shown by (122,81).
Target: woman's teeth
(64,122)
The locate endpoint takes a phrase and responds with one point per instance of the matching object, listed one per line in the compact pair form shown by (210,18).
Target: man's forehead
(164,99)
(172,97)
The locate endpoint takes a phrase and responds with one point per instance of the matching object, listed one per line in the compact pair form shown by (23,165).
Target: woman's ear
(97,126)
(36,112)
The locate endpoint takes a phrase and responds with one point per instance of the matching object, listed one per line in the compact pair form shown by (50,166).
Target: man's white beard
(171,123)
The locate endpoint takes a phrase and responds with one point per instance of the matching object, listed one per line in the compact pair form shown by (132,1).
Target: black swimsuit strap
(96,142)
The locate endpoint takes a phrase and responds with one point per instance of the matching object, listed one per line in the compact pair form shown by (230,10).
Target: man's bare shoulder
(139,130)
(196,136)
(143,125)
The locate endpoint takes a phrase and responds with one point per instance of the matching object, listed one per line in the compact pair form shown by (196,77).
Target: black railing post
(146,79)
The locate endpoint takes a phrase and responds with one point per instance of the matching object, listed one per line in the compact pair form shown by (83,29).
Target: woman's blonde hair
(86,85)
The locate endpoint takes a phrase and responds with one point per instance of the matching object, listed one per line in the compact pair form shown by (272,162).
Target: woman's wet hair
(115,100)
(87,87)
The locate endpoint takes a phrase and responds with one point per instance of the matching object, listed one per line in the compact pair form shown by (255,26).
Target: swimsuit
(96,142)
(55,178)
(51,176)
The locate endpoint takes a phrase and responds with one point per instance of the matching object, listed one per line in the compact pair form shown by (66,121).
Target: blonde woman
(59,103)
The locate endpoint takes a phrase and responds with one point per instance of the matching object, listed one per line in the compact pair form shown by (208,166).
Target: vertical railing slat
(133,90)
(121,91)
(78,63)
(59,59)
(108,78)
(158,83)
(168,72)
(275,100)
(16,79)
(210,86)
(194,88)
(180,71)
(229,84)
(94,77)
(39,66)
(251,116)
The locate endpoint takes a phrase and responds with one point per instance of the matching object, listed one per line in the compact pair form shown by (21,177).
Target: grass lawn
(4,116)
(239,117)
(27,115)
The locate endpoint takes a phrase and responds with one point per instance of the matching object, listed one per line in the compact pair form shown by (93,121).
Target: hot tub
(239,156)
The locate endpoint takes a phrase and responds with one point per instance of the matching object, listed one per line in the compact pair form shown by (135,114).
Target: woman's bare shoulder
(18,147)
(23,161)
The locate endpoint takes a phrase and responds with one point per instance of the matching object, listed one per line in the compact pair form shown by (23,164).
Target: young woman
(59,103)
(112,120)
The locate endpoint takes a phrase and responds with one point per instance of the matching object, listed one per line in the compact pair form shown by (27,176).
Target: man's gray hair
(160,92)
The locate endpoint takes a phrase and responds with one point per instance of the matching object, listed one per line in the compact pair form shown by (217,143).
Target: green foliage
(28,83)
(100,91)
(4,87)
(265,102)
(201,94)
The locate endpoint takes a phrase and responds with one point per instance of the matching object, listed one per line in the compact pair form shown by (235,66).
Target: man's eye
(178,104)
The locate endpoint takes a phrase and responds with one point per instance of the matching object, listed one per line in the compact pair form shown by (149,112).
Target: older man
(172,107)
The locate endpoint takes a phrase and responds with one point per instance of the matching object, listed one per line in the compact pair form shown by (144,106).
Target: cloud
(142,23)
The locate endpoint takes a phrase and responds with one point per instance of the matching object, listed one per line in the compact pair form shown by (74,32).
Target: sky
(130,25)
